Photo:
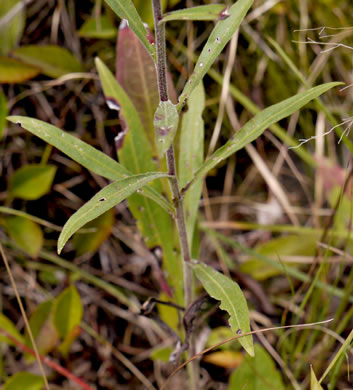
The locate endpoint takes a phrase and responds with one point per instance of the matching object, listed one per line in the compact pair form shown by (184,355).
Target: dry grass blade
(237,337)
(24,315)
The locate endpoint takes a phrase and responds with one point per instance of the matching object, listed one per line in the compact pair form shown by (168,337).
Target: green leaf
(11,329)
(259,123)
(3,112)
(101,28)
(32,181)
(14,71)
(24,380)
(53,61)
(44,333)
(125,9)
(26,234)
(191,151)
(90,242)
(155,225)
(257,373)
(218,38)
(166,121)
(83,153)
(232,300)
(108,197)
(68,311)
(314,383)
(10,32)
(202,12)
(292,245)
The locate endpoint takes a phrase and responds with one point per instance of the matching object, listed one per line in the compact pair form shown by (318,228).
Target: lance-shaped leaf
(232,300)
(259,123)
(219,37)
(136,73)
(104,200)
(83,153)
(125,9)
(191,154)
(154,223)
(202,12)
(166,121)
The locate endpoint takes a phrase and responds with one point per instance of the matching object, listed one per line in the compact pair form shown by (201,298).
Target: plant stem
(177,198)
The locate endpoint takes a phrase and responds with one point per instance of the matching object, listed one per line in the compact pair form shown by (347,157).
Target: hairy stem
(177,198)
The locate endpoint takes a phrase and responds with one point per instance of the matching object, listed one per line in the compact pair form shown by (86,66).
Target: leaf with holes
(155,224)
(219,37)
(108,197)
(83,153)
(202,12)
(125,9)
(259,123)
(166,121)
(232,300)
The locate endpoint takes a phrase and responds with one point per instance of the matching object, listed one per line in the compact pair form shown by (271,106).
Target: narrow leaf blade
(202,12)
(10,32)
(314,383)
(14,71)
(232,300)
(259,123)
(104,200)
(11,329)
(24,380)
(125,9)
(219,37)
(191,154)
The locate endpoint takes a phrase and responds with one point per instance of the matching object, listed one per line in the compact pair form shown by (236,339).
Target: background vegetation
(276,220)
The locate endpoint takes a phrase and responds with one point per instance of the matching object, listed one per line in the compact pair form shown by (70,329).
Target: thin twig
(235,338)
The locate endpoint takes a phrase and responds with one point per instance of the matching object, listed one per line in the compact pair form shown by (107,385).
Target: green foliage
(67,311)
(53,61)
(90,242)
(257,373)
(101,28)
(314,383)
(191,146)
(125,9)
(10,32)
(14,71)
(216,42)
(103,201)
(261,121)
(219,287)
(26,234)
(3,113)
(24,380)
(43,330)
(11,329)
(32,181)
(166,121)
(202,12)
